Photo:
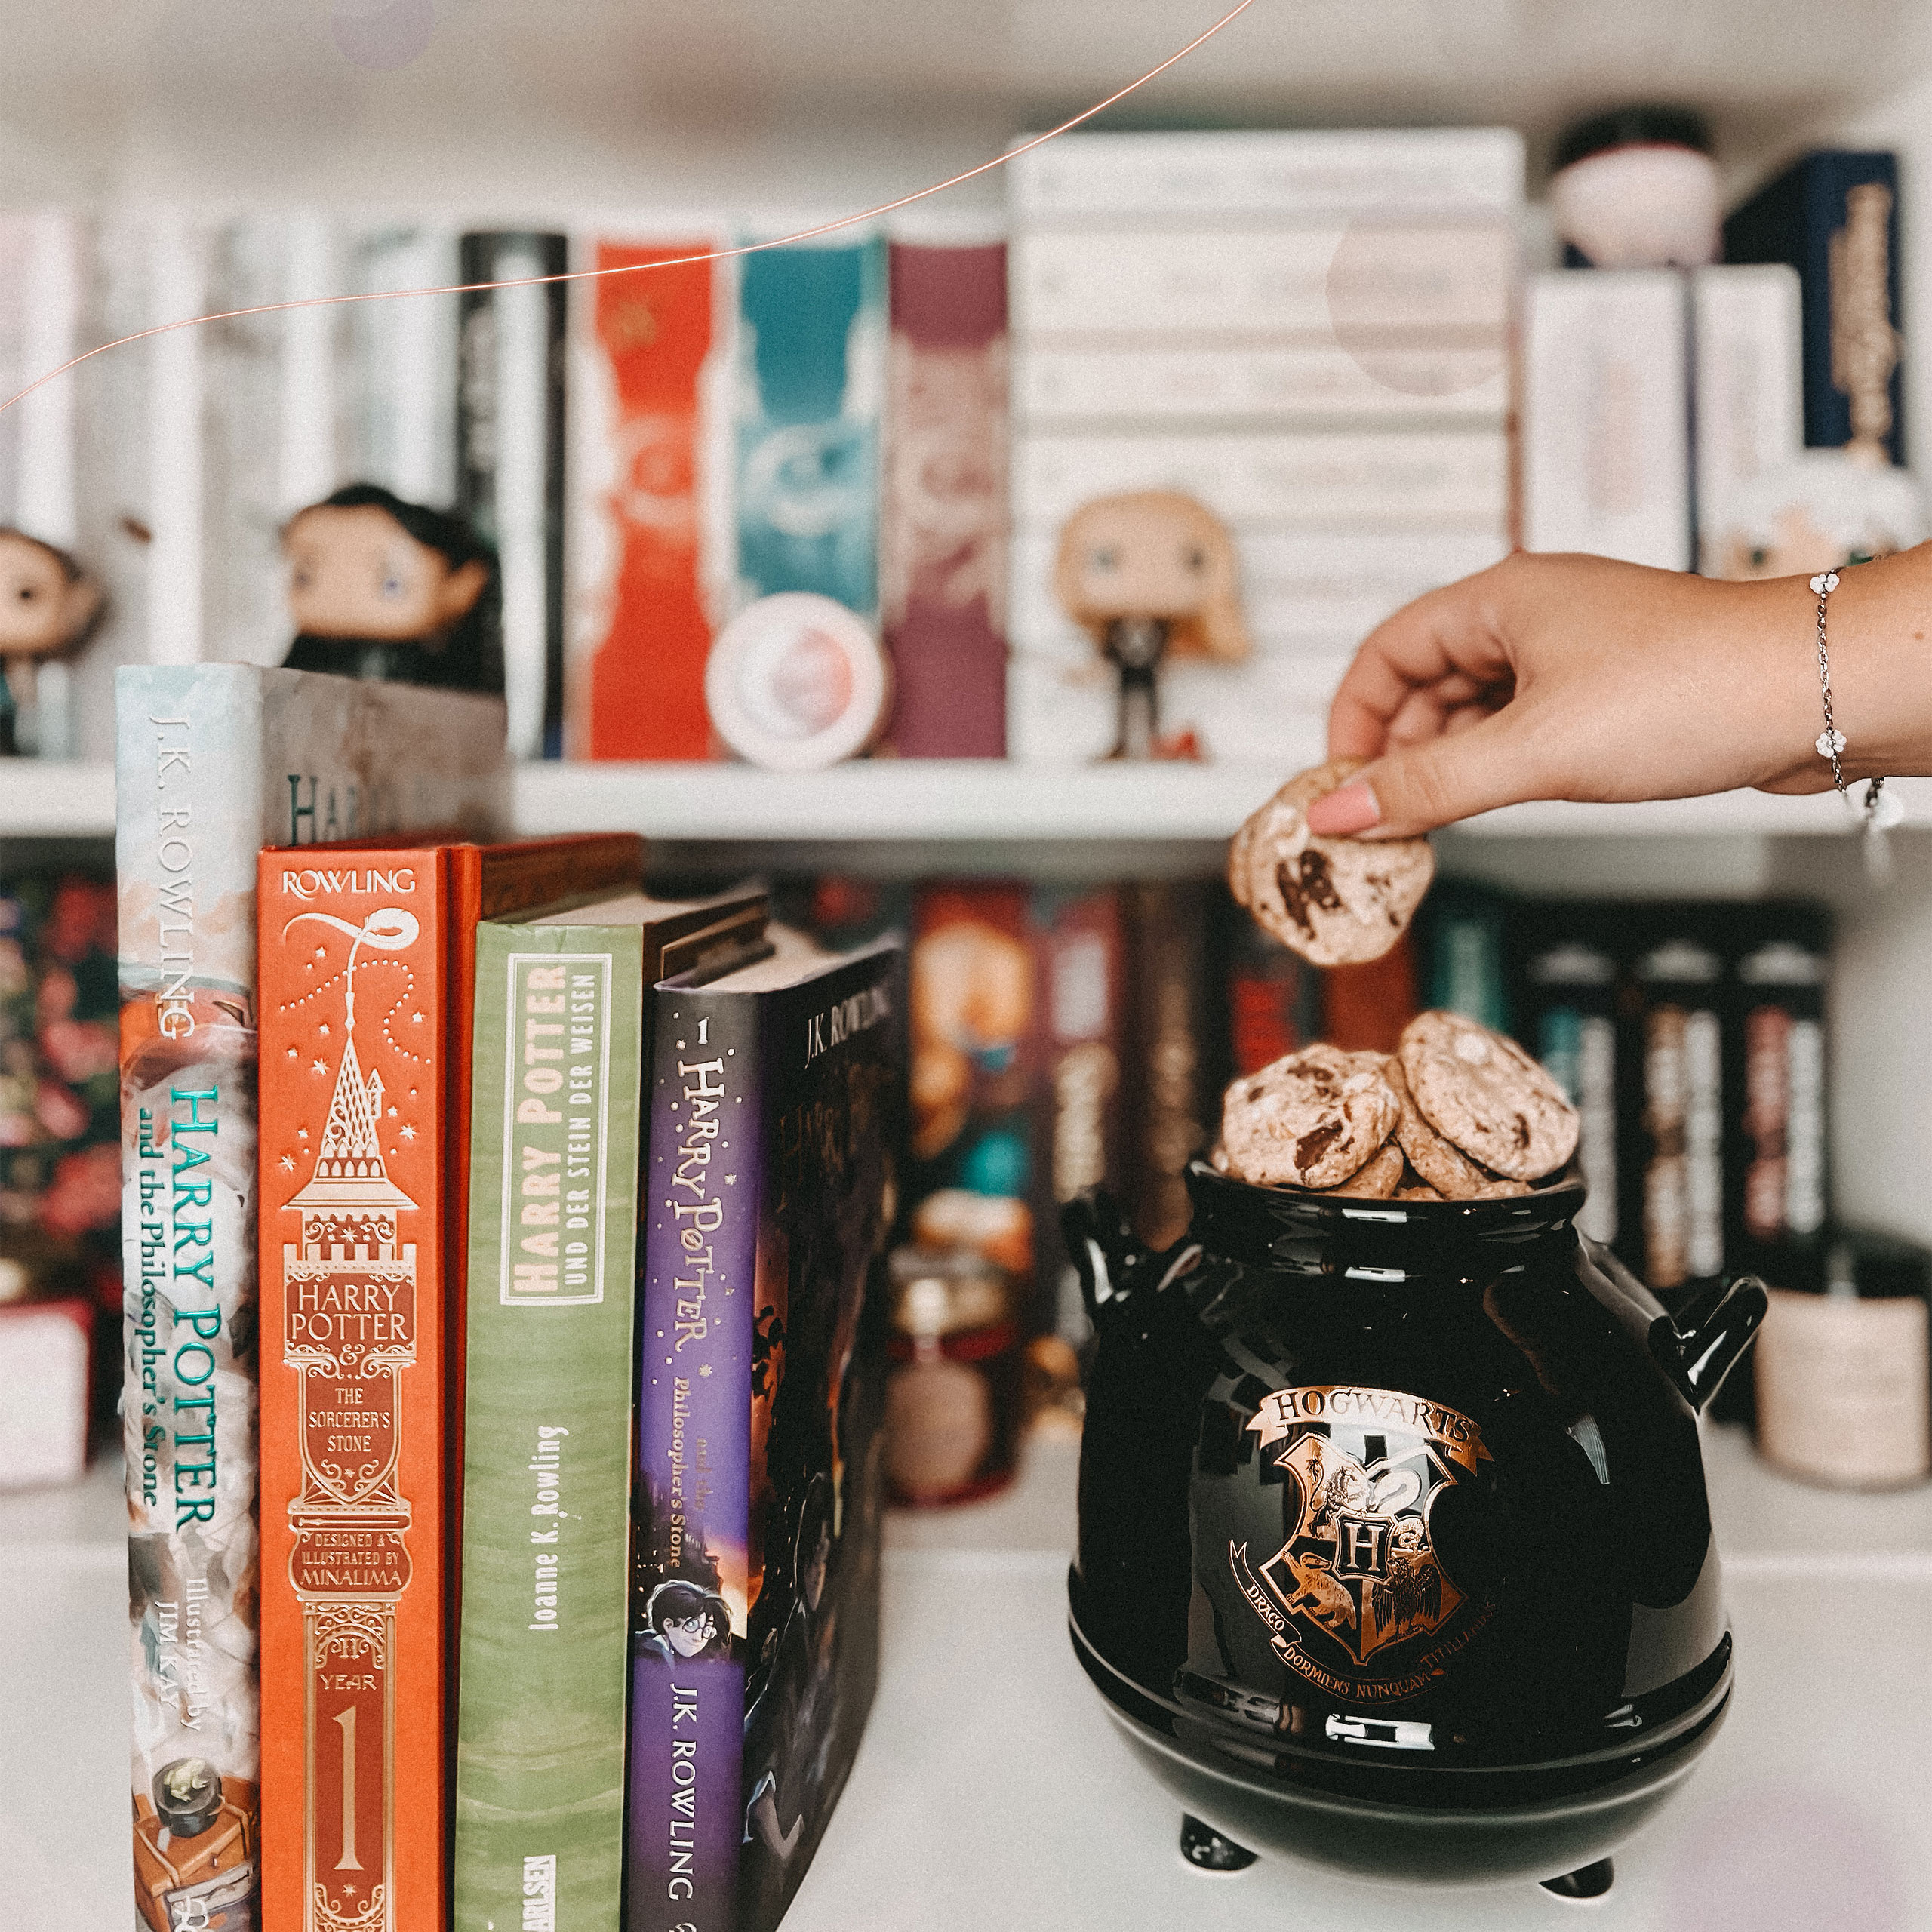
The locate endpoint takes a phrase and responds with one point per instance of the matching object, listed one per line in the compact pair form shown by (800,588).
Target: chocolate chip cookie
(1441,1163)
(1310,1119)
(1483,1093)
(1336,902)
(1377,1178)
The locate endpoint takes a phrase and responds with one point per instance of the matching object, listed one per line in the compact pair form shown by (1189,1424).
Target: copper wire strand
(634,268)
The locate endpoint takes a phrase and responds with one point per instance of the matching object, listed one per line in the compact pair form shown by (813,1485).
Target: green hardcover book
(556,1146)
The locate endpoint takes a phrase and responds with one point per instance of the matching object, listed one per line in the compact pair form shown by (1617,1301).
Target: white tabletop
(992,1792)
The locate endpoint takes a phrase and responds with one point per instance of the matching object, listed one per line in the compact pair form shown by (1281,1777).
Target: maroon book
(943,537)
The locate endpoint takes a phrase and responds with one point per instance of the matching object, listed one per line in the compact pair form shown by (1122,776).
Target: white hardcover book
(1452,280)
(1301,172)
(1299,589)
(1605,421)
(1445,480)
(1272,710)
(1747,380)
(112,475)
(400,424)
(311,458)
(1321,384)
(177,289)
(245,605)
(523,357)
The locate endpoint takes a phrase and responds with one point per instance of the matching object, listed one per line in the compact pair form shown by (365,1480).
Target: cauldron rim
(1267,1227)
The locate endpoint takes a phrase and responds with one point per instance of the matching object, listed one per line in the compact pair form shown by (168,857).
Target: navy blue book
(1834,216)
(774,1117)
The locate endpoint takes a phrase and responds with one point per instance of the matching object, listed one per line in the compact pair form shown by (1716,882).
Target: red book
(366,961)
(942,531)
(640,536)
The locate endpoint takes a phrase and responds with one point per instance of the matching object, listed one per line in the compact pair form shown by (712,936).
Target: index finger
(1443,634)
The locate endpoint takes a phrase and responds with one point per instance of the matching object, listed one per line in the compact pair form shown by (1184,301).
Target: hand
(1574,677)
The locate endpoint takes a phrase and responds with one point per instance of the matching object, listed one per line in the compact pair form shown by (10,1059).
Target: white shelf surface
(990,1791)
(894,799)
(907,801)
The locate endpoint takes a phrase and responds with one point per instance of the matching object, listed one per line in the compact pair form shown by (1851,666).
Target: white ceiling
(817,99)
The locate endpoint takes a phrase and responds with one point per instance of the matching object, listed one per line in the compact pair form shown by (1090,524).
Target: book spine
(1606,459)
(1443,479)
(1082,1019)
(811,377)
(701,1189)
(1174,1078)
(401,420)
(1834,218)
(1299,173)
(1746,387)
(510,462)
(1436,283)
(352,1164)
(39,318)
(943,538)
(642,352)
(1308,386)
(243,600)
(546,1480)
(187,788)
(177,287)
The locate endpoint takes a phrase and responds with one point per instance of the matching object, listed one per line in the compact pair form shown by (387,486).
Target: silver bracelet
(1881,812)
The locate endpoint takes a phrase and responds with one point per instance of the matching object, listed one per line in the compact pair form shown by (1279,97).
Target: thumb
(1423,786)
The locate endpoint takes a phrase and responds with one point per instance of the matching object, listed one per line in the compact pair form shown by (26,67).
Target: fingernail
(1341,814)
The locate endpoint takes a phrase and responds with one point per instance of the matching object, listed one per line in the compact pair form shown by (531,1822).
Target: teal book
(555,1152)
(811,376)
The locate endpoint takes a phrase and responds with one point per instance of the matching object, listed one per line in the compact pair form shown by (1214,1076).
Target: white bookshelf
(938,802)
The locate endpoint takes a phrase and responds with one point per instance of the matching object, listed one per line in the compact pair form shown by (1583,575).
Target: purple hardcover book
(942,534)
(755,1629)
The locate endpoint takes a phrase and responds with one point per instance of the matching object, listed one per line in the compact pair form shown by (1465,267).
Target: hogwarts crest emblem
(1357,1573)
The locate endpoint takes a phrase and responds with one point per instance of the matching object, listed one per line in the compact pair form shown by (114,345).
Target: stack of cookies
(1456,1113)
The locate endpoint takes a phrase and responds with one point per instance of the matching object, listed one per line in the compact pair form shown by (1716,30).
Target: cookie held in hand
(1337,902)
(1310,1119)
(1481,1092)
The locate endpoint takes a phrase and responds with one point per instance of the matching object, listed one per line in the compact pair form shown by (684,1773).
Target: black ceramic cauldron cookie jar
(1394,1554)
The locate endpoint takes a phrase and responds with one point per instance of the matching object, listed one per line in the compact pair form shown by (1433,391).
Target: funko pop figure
(1145,574)
(384,589)
(47,606)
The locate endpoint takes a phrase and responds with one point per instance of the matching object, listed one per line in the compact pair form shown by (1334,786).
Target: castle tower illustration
(348,1328)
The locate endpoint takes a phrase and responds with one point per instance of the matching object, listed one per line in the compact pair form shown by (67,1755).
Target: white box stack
(1310,331)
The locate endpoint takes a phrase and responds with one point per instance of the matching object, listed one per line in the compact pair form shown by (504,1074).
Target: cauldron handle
(1110,1258)
(1701,1346)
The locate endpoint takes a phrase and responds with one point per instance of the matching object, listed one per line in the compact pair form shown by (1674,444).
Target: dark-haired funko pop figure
(684,1621)
(380,589)
(48,605)
(1149,574)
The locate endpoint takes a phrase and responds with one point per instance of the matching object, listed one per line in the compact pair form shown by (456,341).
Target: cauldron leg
(1207,1850)
(1587,1881)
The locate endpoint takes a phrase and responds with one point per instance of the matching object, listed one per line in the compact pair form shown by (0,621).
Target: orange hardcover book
(366,967)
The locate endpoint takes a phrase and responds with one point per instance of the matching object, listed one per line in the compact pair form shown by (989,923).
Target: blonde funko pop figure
(1149,574)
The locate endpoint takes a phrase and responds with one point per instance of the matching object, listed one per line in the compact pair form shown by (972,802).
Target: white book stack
(1310,332)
